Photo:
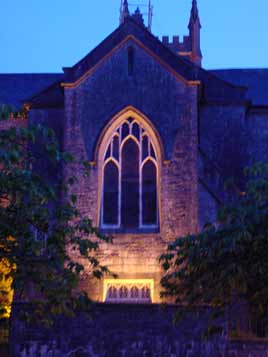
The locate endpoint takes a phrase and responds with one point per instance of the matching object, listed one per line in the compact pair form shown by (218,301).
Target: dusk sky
(46,35)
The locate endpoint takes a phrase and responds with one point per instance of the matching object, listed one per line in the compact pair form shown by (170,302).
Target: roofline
(224,80)
(240,69)
(43,91)
(258,107)
(141,27)
(226,102)
(120,45)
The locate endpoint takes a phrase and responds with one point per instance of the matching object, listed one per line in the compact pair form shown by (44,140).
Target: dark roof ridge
(16,88)
(256,80)
(223,80)
(43,91)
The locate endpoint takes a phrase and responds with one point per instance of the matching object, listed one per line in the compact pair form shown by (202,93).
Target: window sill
(121,230)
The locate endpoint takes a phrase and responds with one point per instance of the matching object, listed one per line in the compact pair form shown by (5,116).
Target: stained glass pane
(116,147)
(110,194)
(136,131)
(145,142)
(130,185)
(152,151)
(125,131)
(108,152)
(149,194)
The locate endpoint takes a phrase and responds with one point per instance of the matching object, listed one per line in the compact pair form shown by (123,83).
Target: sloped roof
(44,89)
(130,28)
(50,97)
(256,80)
(214,87)
(15,89)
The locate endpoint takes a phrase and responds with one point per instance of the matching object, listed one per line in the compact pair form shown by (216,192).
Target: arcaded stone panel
(223,138)
(257,129)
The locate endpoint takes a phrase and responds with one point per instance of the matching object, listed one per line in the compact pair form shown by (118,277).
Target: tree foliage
(45,242)
(7,111)
(227,262)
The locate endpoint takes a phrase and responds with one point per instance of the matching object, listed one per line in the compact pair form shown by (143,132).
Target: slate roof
(256,80)
(15,89)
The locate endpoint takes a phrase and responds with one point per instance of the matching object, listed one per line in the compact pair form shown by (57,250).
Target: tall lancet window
(130,179)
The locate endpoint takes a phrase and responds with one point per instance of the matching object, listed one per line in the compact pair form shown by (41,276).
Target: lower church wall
(247,349)
(223,137)
(208,207)
(257,131)
(130,331)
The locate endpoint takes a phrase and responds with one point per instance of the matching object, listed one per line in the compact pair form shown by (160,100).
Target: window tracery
(130,179)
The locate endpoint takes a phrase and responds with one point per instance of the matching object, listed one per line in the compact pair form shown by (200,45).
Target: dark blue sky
(45,35)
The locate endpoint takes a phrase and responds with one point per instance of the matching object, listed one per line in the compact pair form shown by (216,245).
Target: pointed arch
(139,171)
(110,193)
(130,183)
(123,115)
(149,193)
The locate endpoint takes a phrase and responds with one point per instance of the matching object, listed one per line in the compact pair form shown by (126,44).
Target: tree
(7,111)
(44,240)
(227,262)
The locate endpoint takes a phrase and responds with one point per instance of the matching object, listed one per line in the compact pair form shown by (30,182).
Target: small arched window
(130,179)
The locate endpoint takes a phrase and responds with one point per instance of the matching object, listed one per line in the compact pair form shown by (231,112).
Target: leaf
(45,241)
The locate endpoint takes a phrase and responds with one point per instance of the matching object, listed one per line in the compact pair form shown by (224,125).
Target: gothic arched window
(130,179)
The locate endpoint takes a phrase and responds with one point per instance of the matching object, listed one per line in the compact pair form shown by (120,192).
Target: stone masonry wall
(130,331)
(171,106)
(208,206)
(51,118)
(223,137)
(243,348)
(257,131)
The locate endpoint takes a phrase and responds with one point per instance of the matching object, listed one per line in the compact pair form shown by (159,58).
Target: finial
(124,11)
(194,32)
(194,14)
(137,16)
(150,15)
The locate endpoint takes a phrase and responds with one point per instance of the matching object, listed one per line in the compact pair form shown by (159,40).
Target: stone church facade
(161,133)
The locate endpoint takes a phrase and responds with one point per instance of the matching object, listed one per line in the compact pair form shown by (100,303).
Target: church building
(161,134)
